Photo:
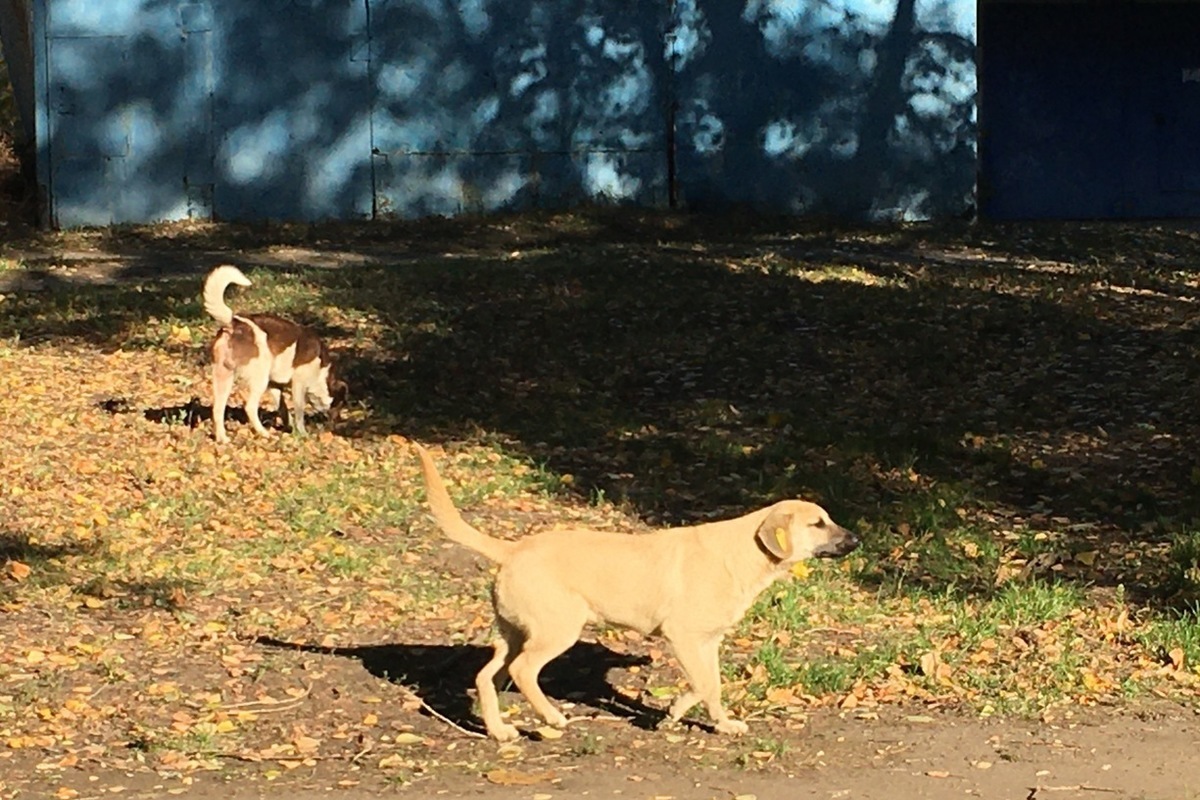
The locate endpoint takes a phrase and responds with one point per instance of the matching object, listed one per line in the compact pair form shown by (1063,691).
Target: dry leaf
(305,744)
(512,777)
(18,571)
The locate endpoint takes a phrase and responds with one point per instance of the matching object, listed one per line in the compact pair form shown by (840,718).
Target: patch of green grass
(762,751)
(912,559)
(346,494)
(590,745)
(1174,629)
(1031,603)
(828,676)
(1183,568)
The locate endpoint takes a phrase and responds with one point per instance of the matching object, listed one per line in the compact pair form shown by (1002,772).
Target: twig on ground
(263,706)
(1076,787)
(442,717)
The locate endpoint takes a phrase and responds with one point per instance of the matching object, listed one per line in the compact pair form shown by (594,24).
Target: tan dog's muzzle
(840,543)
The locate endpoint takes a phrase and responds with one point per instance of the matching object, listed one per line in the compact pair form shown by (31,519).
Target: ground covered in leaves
(1005,413)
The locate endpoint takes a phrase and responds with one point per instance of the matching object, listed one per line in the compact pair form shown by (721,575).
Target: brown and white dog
(267,351)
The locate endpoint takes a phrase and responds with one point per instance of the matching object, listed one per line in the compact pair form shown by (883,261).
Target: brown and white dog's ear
(774,535)
(339,391)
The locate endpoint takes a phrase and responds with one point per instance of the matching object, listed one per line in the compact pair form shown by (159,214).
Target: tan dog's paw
(556,719)
(732,727)
(505,733)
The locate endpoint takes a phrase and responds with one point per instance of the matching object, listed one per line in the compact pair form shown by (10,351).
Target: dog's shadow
(443,676)
(193,413)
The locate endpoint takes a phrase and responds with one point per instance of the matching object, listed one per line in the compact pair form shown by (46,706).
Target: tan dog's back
(638,580)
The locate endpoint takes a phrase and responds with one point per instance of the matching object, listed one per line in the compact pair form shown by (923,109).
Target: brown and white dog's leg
(284,415)
(222,386)
(299,398)
(276,401)
(258,379)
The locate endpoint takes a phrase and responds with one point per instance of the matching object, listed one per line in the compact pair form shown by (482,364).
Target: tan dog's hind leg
(222,386)
(700,660)
(507,646)
(539,651)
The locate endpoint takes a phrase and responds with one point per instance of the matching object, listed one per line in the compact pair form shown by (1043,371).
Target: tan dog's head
(795,530)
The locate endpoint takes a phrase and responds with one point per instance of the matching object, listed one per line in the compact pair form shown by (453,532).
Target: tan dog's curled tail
(214,292)
(451,522)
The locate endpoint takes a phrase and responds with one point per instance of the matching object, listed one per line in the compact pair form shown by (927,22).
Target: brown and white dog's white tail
(451,522)
(214,292)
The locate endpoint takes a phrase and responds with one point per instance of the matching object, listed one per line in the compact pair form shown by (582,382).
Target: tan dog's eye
(819,523)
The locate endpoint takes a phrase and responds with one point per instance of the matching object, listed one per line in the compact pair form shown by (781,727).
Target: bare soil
(1149,753)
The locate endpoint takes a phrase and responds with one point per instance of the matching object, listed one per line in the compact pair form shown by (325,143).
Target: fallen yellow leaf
(18,571)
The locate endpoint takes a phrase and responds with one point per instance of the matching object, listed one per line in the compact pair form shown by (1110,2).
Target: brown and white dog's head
(331,393)
(796,530)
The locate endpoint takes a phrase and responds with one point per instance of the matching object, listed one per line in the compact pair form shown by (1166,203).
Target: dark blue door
(1090,110)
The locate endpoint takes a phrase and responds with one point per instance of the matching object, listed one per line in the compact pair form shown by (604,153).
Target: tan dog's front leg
(700,660)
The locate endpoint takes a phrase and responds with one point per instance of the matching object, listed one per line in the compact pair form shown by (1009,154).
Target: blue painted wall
(313,109)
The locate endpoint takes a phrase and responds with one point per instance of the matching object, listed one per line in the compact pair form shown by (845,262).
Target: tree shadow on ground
(22,558)
(1009,379)
(443,676)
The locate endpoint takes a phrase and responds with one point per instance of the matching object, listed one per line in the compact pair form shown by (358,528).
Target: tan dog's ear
(775,535)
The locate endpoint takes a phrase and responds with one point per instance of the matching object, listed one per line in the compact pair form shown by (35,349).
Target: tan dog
(266,351)
(689,585)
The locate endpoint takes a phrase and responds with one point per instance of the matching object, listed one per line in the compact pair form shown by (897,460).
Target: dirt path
(1118,756)
(1150,754)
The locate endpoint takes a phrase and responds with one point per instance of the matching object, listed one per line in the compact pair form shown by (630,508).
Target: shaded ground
(1005,413)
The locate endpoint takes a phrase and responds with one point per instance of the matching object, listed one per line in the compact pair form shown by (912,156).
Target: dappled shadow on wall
(855,108)
(287,109)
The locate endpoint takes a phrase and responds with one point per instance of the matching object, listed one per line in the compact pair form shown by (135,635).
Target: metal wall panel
(292,133)
(862,108)
(315,109)
(483,106)
(124,116)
